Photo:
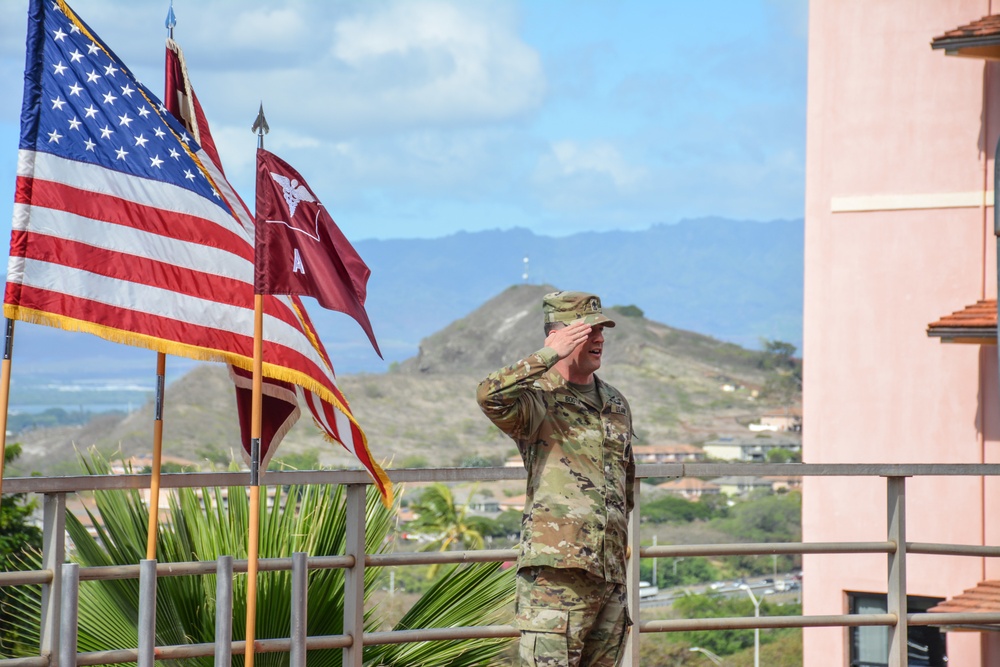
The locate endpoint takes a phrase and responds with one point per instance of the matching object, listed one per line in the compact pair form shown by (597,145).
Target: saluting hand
(568,338)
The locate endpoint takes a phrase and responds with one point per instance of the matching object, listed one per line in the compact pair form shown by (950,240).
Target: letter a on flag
(300,249)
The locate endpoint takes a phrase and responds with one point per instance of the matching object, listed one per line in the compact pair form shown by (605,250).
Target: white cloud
(599,162)
(463,63)
(449,114)
(381,67)
(266,28)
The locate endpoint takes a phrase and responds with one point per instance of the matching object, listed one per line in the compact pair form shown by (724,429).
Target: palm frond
(203,524)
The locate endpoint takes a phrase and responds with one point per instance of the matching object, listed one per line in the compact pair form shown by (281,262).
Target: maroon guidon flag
(299,248)
(282,389)
(279,403)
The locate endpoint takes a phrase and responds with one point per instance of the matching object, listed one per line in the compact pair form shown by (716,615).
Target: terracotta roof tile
(979,39)
(984,598)
(687,484)
(978,321)
(988,26)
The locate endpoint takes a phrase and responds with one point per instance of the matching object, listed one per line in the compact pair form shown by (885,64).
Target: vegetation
(785,382)
(307,460)
(765,517)
(674,509)
(678,571)
(779,647)
(445,522)
(629,311)
(204,524)
(762,517)
(507,525)
(17,536)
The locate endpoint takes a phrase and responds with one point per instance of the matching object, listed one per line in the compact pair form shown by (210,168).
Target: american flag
(124,228)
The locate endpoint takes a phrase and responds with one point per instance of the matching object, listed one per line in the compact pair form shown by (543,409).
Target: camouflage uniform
(581,472)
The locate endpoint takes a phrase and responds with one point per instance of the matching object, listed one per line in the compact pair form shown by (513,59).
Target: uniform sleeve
(506,396)
(629,465)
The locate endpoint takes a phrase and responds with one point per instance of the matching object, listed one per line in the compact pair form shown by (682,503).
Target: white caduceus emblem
(294,192)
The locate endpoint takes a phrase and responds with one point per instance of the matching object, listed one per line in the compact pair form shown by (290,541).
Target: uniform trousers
(569,617)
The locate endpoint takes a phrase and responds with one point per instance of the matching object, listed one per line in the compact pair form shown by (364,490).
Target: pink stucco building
(899,232)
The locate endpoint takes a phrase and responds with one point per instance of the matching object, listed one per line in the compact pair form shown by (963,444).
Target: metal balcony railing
(60,580)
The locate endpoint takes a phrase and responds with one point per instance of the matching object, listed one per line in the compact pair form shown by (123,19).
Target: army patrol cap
(568,307)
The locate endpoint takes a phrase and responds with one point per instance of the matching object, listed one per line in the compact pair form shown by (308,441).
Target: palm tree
(438,515)
(204,524)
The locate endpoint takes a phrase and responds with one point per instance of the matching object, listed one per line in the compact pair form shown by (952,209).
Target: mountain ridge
(683,387)
(737,281)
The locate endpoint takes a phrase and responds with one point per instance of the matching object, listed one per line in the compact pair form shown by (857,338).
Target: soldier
(574,433)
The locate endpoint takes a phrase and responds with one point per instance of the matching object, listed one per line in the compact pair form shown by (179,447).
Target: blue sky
(422,118)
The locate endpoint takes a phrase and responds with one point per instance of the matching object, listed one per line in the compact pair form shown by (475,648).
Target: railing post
(69,618)
(354,577)
(147,612)
(896,597)
(631,648)
(224,611)
(300,606)
(53,556)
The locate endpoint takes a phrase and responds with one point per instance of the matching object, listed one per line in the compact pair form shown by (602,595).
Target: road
(761,586)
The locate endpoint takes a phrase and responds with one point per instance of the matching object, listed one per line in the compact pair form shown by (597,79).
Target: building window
(870,644)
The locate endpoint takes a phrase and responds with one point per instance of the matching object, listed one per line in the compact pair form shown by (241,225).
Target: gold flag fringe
(179,349)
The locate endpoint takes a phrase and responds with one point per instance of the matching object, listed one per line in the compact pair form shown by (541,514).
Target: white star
(155,161)
(89,144)
(59,35)
(141,141)
(216,193)
(162,108)
(124,119)
(75,124)
(127,90)
(106,132)
(74,28)
(144,111)
(109,98)
(174,154)
(188,175)
(55,136)
(110,69)
(93,76)
(93,48)
(91,111)
(55,7)
(76,56)
(59,68)
(121,153)
(159,133)
(75,89)
(58,103)
(184,137)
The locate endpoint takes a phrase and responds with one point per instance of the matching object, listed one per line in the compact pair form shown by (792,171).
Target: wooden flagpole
(254,528)
(154,478)
(8,347)
(161,371)
(253,536)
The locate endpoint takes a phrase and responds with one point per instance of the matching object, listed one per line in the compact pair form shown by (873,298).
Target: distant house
(740,485)
(787,419)
(784,482)
(751,450)
(675,453)
(689,488)
(513,503)
(479,504)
